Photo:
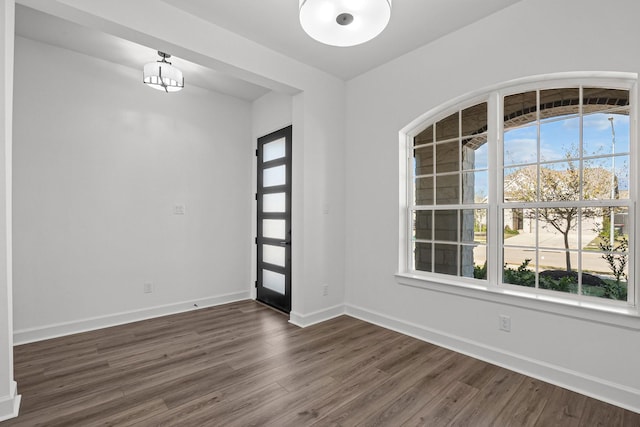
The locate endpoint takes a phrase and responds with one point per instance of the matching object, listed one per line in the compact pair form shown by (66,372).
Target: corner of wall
(308,319)
(10,406)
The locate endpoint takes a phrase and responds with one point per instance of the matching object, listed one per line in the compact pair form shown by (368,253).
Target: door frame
(263,294)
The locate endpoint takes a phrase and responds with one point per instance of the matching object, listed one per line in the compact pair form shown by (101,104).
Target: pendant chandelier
(162,75)
(344,22)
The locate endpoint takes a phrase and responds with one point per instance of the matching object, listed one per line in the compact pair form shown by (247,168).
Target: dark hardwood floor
(242,364)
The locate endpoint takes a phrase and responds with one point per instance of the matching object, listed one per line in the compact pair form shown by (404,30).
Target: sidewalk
(553,255)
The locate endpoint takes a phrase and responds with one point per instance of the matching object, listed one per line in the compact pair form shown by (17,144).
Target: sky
(559,137)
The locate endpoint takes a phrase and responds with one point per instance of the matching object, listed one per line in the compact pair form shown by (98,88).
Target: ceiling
(275,25)
(48,29)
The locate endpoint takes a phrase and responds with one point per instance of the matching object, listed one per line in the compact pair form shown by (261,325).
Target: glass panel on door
(275,176)
(273,240)
(274,150)
(273,281)
(273,228)
(273,255)
(275,202)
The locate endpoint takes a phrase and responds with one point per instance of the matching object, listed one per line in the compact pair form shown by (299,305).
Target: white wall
(318,128)
(9,399)
(271,112)
(318,198)
(100,161)
(324,202)
(531,37)
(318,122)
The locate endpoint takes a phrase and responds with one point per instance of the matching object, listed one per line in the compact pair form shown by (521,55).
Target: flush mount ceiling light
(162,75)
(344,22)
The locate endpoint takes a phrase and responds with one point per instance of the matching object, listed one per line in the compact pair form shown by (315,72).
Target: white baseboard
(606,391)
(10,405)
(304,320)
(25,336)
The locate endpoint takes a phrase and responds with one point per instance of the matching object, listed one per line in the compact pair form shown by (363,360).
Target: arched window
(528,187)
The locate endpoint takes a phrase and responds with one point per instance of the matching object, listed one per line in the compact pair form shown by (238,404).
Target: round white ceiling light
(344,22)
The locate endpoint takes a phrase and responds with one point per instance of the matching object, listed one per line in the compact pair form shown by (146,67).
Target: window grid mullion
(538,191)
(581,187)
(496,205)
(495,120)
(410,195)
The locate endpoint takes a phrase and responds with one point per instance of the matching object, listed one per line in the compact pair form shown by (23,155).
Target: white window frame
(491,289)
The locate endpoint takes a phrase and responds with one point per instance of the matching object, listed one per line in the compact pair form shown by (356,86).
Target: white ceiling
(48,29)
(274,24)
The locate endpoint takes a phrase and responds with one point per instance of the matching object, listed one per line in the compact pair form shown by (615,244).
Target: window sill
(619,316)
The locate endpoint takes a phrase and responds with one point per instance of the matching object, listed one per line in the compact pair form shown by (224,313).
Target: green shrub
(564,284)
(480,272)
(615,290)
(616,256)
(509,230)
(521,276)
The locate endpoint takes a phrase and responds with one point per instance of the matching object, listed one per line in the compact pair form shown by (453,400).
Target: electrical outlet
(505,323)
(147,288)
(325,290)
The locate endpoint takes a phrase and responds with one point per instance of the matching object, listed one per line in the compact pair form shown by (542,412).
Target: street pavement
(553,256)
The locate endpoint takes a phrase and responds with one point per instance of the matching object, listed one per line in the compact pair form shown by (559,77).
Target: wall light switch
(179,209)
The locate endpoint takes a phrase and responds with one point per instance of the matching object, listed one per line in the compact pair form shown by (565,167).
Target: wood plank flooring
(243,364)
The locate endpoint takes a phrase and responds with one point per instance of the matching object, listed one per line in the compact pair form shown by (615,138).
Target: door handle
(285,242)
